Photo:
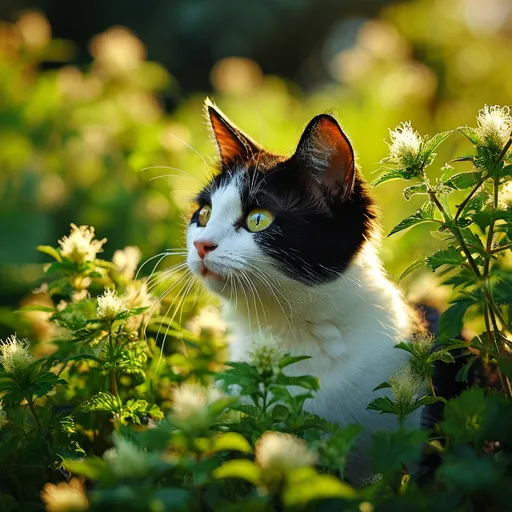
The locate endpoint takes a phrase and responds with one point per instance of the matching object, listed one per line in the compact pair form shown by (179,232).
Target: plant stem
(456,232)
(431,382)
(501,248)
(113,379)
(471,194)
(34,413)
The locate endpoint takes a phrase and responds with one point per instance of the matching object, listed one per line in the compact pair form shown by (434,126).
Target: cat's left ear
(233,144)
(325,151)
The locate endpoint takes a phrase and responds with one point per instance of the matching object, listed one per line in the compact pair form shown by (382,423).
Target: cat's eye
(259,219)
(204,215)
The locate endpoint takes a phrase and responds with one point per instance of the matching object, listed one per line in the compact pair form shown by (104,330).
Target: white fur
(349,326)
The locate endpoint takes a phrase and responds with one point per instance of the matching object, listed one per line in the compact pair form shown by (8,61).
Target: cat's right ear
(233,144)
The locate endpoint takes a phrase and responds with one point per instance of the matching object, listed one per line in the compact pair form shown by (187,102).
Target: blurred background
(101,105)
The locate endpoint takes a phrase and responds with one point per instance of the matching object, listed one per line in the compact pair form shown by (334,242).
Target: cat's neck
(358,304)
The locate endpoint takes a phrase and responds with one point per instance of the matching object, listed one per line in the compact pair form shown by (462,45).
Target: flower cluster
(405,144)
(207,324)
(65,497)
(126,460)
(14,355)
(191,408)
(265,354)
(494,127)
(405,384)
(110,305)
(80,246)
(126,261)
(283,452)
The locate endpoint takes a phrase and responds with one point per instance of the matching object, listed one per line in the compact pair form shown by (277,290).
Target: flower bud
(283,452)
(110,305)
(80,245)
(14,355)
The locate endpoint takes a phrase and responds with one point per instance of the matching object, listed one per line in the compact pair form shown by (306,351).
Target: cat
(289,243)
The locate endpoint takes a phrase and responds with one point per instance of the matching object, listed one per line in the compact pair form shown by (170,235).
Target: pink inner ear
(230,147)
(327,138)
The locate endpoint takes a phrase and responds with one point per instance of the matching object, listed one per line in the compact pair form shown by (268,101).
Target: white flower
(405,143)
(77,296)
(65,497)
(405,384)
(494,126)
(191,399)
(423,341)
(138,296)
(126,459)
(3,416)
(283,452)
(207,324)
(265,354)
(126,261)
(14,355)
(110,305)
(80,245)
(191,409)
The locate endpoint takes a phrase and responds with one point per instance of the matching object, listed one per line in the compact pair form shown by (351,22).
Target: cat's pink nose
(203,248)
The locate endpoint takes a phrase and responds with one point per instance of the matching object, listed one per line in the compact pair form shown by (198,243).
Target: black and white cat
(289,244)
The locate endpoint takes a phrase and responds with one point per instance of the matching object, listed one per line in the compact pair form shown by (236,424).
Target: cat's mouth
(207,273)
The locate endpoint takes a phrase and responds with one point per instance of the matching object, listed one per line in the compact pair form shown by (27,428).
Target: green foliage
(119,402)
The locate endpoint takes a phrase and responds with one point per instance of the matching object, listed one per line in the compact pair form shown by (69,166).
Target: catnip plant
(477,230)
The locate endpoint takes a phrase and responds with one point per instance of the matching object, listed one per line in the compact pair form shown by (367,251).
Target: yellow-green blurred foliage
(75,143)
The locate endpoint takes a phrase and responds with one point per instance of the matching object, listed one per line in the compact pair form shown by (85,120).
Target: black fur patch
(315,234)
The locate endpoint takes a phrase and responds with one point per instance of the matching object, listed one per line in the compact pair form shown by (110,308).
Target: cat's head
(266,219)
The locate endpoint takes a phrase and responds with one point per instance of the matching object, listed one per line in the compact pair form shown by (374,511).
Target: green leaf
(416,218)
(417,264)
(305,485)
(451,322)
(462,374)
(280,412)
(391,174)
(392,449)
(465,470)
(433,143)
(36,307)
(92,467)
(418,188)
(303,381)
(45,382)
(384,405)
(287,360)
(51,251)
(231,441)
(450,256)
(240,468)
(470,134)
(463,180)
(428,400)
(506,171)
(464,416)
(102,401)
(467,158)
(384,385)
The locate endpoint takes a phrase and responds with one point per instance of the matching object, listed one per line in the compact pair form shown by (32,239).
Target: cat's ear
(325,151)
(233,144)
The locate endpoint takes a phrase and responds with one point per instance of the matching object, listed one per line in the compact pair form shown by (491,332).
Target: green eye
(204,215)
(259,219)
